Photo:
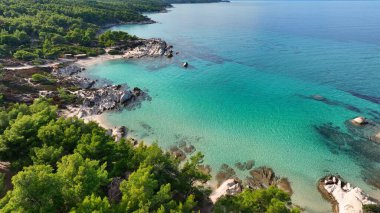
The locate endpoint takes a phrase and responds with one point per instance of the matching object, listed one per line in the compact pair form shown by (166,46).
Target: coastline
(72,112)
(90,61)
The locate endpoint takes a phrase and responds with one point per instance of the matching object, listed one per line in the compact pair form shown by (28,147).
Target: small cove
(242,97)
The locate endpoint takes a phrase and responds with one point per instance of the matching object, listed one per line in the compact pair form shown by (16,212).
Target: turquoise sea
(253,67)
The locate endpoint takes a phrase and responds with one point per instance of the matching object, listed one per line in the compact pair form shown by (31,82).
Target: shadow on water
(331,102)
(372,99)
(357,142)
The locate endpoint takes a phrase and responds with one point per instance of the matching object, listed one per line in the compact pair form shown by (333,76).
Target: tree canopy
(66,165)
(271,200)
(50,28)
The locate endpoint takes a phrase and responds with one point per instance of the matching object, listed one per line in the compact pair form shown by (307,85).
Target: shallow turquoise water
(241,98)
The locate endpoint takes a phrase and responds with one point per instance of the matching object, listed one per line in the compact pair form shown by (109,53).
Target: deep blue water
(245,95)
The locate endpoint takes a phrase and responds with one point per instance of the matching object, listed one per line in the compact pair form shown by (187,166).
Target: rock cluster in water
(260,178)
(359,139)
(245,165)
(343,196)
(97,100)
(225,173)
(263,177)
(181,150)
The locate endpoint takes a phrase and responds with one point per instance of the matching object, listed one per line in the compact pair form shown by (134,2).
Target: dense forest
(45,29)
(66,165)
(193,1)
(32,30)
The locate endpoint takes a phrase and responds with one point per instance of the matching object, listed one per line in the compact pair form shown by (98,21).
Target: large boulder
(126,96)
(147,47)
(67,70)
(359,121)
(228,187)
(262,177)
(120,132)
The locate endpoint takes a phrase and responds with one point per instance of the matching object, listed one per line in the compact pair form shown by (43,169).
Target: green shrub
(25,55)
(65,96)
(371,208)
(2,184)
(111,38)
(114,52)
(42,79)
(271,200)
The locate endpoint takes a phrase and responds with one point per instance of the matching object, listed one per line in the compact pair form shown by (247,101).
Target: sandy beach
(73,112)
(86,62)
(90,61)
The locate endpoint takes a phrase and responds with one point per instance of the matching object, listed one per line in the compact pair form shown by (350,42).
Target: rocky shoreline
(97,100)
(92,100)
(76,95)
(343,197)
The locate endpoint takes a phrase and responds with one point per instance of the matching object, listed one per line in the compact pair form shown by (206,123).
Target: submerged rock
(262,177)
(249,164)
(206,169)
(225,173)
(318,97)
(239,165)
(177,153)
(376,137)
(327,101)
(189,149)
(284,184)
(245,166)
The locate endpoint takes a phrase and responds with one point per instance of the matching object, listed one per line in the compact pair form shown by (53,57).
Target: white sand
(97,60)
(228,187)
(73,112)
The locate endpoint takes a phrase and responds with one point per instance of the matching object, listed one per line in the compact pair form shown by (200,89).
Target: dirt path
(4,168)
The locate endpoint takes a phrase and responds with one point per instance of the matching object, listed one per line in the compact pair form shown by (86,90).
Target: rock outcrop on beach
(228,187)
(98,100)
(119,132)
(66,71)
(344,197)
(147,48)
